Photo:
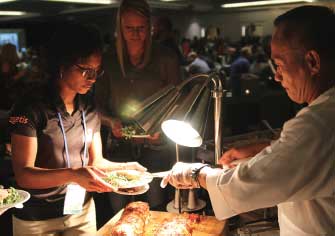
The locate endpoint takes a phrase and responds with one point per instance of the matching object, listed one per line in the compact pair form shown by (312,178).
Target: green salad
(122,179)
(13,197)
(130,130)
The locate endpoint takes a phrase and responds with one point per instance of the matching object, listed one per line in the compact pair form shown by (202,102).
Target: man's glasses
(90,73)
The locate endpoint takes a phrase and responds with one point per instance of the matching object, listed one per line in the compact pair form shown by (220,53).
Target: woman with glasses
(56,144)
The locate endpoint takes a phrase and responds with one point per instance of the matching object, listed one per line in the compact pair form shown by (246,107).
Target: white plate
(140,190)
(24,197)
(143,178)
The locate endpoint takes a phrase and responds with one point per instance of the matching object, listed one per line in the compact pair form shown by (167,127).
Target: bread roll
(133,220)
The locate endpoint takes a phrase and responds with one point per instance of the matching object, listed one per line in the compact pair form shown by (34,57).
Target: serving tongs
(161,174)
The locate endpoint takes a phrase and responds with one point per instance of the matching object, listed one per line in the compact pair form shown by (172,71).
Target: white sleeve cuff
(221,208)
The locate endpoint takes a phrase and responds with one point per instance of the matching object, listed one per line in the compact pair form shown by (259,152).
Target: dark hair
(70,44)
(312,27)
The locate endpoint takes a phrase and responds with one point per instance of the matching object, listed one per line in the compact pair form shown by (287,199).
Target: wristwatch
(196,171)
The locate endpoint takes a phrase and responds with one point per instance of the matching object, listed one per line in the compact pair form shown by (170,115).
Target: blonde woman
(135,68)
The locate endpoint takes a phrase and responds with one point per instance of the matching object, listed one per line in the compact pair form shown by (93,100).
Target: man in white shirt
(196,64)
(297,171)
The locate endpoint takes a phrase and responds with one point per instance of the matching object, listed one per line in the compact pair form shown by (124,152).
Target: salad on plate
(12,197)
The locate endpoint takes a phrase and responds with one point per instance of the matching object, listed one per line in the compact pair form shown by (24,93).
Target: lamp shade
(181,111)
(151,111)
(185,124)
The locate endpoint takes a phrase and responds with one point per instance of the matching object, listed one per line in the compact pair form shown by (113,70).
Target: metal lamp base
(200,205)
(192,204)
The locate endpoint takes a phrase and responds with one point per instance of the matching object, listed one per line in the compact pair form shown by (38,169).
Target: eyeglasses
(88,73)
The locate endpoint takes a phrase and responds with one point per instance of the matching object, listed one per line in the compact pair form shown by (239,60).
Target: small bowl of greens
(133,131)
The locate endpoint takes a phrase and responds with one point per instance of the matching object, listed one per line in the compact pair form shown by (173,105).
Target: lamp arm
(212,76)
(185,82)
(217,94)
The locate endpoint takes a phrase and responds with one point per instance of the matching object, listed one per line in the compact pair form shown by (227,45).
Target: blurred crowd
(246,61)
(243,62)
(237,62)
(244,66)
(19,71)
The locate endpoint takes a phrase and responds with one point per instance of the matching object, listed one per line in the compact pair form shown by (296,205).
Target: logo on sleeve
(18,119)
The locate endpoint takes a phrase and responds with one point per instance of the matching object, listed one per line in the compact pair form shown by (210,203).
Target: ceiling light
(261,3)
(12,13)
(85,1)
(5,1)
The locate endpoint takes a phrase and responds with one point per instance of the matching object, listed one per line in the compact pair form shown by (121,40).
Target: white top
(296,173)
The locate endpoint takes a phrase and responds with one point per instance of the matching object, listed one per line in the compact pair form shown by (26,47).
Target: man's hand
(232,155)
(181,176)
(240,153)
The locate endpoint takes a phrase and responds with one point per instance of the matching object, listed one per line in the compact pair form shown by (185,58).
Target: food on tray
(128,179)
(179,226)
(132,221)
(194,218)
(9,196)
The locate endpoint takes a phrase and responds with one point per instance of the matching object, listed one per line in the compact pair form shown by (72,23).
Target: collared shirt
(239,66)
(296,173)
(36,116)
(198,66)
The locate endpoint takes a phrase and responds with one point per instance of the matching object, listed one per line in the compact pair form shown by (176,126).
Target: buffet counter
(207,226)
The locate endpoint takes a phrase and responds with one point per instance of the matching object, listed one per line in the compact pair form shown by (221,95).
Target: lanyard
(85,160)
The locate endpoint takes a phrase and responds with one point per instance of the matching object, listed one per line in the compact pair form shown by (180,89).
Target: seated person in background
(185,47)
(260,65)
(239,66)
(196,65)
(10,76)
(9,60)
(56,144)
(295,172)
(164,34)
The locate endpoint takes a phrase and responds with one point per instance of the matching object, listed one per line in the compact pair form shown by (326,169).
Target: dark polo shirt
(36,116)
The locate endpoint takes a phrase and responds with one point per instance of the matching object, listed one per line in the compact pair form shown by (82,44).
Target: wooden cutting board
(208,225)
